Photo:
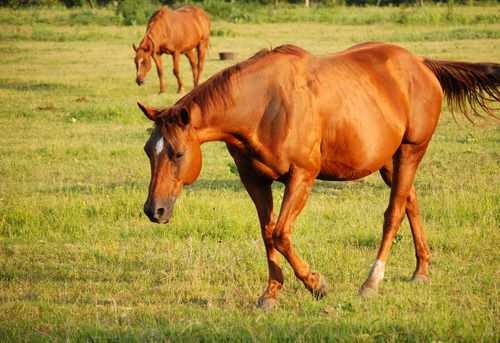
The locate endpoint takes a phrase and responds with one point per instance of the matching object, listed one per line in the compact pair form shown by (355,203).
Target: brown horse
(289,116)
(173,32)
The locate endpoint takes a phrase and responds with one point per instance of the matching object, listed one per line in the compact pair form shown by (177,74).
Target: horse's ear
(184,117)
(134,47)
(150,112)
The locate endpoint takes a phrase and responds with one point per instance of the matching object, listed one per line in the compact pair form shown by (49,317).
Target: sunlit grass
(79,260)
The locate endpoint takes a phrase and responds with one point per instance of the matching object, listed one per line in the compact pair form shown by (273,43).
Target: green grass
(80,262)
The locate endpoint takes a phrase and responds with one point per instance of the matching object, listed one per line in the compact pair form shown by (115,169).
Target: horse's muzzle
(159,211)
(139,81)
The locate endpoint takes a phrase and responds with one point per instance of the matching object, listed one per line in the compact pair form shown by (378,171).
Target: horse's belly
(356,156)
(337,171)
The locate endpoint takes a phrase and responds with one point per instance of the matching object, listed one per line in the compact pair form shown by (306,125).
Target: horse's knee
(392,218)
(267,236)
(423,255)
(281,242)
(394,215)
(412,205)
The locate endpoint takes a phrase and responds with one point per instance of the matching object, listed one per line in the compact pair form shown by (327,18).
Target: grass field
(79,260)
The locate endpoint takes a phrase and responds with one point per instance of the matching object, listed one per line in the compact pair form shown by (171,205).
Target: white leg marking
(377,271)
(159,146)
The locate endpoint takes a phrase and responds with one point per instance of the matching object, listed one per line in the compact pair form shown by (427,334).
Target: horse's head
(175,157)
(142,62)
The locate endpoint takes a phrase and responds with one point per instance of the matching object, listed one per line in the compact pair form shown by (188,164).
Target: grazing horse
(289,116)
(173,32)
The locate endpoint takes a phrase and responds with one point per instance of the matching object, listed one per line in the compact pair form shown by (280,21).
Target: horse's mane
(155,18)
(218,90)
(290,50)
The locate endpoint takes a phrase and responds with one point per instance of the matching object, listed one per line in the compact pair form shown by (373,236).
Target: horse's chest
(169,50)
(254,161)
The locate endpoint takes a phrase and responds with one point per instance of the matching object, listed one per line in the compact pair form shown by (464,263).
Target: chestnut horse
(173,32)
(289,116)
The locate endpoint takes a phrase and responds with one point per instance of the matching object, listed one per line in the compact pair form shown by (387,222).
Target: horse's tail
(468,85)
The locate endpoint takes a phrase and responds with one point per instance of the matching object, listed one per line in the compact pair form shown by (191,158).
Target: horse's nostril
(160,211)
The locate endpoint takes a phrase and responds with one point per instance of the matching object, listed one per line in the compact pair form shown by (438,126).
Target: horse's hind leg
(260,191)
(202,50)
(297,191)
(413,213)
(406,162)
(194,68)
(175,58)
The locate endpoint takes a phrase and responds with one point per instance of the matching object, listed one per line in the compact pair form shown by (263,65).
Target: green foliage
(134,12)
(285,13)
(29,3)
(73,3)
(130,12)
(233,12)
(226,8)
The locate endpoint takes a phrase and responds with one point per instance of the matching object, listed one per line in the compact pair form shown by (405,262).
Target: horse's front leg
(159,70)
(296,194)
(262,196)
(175,58)
(260,191)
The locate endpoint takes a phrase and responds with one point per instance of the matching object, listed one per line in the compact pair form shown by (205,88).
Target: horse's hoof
(322,289)
(420,278)
(266,303)
(368,291)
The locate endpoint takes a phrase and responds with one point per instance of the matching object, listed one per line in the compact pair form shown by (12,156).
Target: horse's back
(195,17)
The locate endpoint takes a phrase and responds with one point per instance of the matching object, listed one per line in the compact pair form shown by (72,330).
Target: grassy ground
(79,261)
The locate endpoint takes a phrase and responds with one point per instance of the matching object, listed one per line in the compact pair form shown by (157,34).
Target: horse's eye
(179,155)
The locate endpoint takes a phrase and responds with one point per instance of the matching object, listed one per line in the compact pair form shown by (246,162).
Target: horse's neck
(146,44)
(214,125)
(225,123)
(235,115)
(157,29)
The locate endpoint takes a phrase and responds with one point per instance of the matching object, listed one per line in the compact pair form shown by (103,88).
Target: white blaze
(159,146)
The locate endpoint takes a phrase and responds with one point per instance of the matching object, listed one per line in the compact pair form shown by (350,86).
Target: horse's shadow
(233,185)
(322,187)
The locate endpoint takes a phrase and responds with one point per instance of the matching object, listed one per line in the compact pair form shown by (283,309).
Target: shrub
(28,3)
(135,12)
(73,3)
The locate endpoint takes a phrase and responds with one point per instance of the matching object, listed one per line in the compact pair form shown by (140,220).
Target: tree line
(102,3)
